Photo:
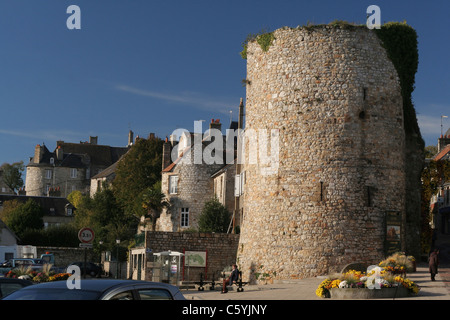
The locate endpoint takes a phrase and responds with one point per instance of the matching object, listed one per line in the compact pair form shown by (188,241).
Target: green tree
(103,214)
(214,217)
(430,151)
(154,201)
(138,170)
(25,216)
(75,198)
(12,175)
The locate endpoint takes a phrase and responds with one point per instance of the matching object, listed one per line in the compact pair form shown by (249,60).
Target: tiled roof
(443,153)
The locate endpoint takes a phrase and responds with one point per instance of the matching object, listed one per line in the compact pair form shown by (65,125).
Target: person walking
(433,262)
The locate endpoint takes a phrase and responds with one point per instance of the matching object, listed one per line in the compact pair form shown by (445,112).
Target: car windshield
(53,294)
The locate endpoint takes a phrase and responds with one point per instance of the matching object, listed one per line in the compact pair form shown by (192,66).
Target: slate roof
(81,155)
(58,204)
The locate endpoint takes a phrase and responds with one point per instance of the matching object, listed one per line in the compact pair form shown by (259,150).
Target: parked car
(9,285)
(92,269)
(99,289)
(34,264)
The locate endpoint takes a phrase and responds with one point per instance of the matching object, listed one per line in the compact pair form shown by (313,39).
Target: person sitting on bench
(232,279)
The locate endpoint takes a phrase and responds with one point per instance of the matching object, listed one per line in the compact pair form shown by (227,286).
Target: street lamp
(442,117)
(100,243)
(117,262)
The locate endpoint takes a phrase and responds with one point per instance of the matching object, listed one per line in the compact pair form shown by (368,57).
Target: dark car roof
(16,280)
(101,285)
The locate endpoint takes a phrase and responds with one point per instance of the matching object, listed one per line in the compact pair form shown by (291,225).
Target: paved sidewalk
(305,289)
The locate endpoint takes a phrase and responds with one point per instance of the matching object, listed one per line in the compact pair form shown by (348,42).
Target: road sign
(86,235)
(86,245)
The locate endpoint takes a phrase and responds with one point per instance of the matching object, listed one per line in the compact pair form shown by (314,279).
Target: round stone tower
(335,98)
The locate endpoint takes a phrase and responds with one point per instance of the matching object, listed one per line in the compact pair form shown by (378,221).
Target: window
(73,173)
(154,294)
(173,184)
(184,217)
(69,211)
(127,295)
(52,160)
(48,174)
(369,196)
(365,94)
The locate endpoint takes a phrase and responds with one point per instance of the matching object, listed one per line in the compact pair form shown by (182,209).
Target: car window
(154,294)
(7,288)
(53,294)
(126,295)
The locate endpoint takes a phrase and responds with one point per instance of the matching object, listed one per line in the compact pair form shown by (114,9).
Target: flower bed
(384,281)
(45,275)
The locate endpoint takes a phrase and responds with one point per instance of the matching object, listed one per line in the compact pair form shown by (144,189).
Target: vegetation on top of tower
(264,39)
(400,41)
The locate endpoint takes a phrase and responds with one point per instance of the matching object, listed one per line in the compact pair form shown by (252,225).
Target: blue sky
(154,66)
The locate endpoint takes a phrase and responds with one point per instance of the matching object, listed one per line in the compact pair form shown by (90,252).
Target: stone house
(105,176)
(7,236)
(440,203)
(69,167)
(188,184)
(57,210)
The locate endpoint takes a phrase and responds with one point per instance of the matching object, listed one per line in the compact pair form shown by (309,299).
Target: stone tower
(335,98)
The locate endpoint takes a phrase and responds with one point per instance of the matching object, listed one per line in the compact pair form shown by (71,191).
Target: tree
(154,201)
(214,217)
(433,177)
(12,175)
(430,151)
(75,198)
(25,216)
(138,170)
(103,214)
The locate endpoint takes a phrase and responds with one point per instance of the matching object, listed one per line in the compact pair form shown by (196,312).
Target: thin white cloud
(195,100)
(53,136)
(431,125)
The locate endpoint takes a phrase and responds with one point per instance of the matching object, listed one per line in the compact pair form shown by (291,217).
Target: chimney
(38,153)
(166,154)
(151,136)
(173,140)
(130,138)
(54,192)
(93,140)
(215,124)
(59,153)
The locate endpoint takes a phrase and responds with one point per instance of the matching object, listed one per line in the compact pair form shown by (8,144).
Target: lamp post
(100,243)
(442,131)
(117,263)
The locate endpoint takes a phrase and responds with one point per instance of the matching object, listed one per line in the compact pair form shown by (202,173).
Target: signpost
(86,236)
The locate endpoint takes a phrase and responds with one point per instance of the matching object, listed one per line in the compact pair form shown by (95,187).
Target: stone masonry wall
(335,98)
(64,256)
(195,187)
(36,180)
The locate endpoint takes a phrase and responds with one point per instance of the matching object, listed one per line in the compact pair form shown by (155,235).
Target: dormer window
(52,160)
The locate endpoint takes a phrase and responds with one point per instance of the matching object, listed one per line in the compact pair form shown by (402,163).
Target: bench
(239,283)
